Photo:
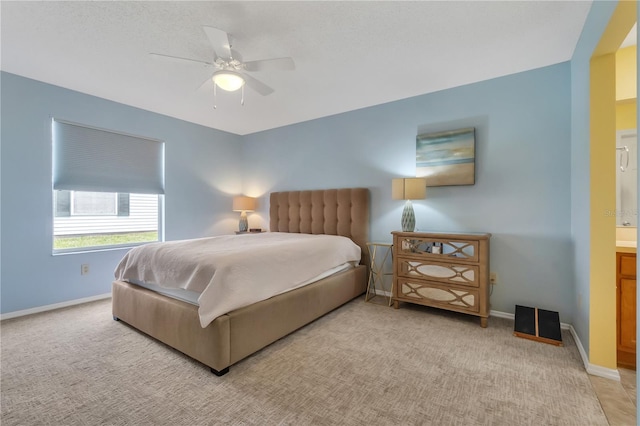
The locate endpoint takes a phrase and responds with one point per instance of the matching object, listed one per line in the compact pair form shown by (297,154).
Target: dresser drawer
(437,249)
(434,294)
(449,273)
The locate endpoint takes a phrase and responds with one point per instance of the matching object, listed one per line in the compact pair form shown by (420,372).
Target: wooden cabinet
(443,270)
(626,309)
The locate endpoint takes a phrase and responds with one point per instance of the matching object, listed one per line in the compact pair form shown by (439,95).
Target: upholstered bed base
(237,334)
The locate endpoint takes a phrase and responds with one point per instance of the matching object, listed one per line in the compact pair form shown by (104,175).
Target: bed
(235,335)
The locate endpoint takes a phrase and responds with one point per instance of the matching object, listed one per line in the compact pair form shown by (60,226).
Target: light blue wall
(521,196)
(202,169)
(522,191)
(595,25)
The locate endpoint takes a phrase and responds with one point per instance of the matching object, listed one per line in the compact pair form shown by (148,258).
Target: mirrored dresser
(443,270)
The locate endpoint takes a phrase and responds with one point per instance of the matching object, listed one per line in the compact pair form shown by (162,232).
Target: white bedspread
(233,271)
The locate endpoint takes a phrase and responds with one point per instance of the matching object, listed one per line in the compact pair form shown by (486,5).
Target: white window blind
(89,159)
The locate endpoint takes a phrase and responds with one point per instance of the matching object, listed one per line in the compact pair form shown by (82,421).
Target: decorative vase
(408,217)
(244,224)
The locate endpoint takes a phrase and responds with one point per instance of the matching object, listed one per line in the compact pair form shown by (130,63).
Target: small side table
(379,254)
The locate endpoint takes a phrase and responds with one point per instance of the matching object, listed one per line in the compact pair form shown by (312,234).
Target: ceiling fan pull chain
(214,96)
(242,96)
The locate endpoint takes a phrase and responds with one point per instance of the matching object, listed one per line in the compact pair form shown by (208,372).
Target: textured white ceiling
(348,55)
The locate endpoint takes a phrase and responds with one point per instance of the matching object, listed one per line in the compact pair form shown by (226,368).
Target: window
(77,203)
(107,188)
(98,219)
(94,203)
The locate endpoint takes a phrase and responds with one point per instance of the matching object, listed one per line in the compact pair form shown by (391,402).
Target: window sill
(79,250)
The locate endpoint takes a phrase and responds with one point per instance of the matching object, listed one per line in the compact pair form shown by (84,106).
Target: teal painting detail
(446,158)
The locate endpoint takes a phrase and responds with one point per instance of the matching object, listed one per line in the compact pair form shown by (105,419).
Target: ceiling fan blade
(257,85)
(283,64)
(207,84)
(219,41)
(179,59)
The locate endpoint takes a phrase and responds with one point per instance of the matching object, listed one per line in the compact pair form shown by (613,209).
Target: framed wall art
(447,158)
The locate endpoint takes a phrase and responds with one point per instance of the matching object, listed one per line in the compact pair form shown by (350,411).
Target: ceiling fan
(230,72)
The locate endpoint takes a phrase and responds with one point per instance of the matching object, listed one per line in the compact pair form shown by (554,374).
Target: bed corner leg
(115,318)
(221,372)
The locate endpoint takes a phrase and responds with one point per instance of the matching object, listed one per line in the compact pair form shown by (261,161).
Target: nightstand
(379,255)
(443,270)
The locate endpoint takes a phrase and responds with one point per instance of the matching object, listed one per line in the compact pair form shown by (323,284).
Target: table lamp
(243,205)
(408,189)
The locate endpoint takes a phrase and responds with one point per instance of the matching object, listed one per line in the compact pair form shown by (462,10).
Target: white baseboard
(595,370)
(500,314)
(607,373)
(16,314)
(384,293)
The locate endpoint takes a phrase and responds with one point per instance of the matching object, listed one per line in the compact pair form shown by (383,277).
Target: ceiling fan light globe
(228,80)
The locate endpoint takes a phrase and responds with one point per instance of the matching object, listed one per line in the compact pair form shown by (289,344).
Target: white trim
(500,314)
(595,370)
(583,353)
(607,373)
(384,293)
(46,308)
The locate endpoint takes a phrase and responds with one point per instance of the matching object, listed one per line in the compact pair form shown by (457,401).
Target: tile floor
(618,399)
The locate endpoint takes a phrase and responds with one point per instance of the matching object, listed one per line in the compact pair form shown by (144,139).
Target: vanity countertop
(626,246)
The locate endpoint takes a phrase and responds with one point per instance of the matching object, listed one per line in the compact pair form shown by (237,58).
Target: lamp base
(243,225)
(408,217)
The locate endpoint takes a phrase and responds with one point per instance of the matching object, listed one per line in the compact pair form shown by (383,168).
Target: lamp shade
(409,189)
(242,203)
(228,80)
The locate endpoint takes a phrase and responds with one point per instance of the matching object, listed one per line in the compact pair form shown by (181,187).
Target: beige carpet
(362,364)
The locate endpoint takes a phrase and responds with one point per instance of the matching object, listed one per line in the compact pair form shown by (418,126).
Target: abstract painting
(447,158)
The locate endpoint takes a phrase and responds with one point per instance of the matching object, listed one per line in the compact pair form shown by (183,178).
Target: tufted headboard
(342,212)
